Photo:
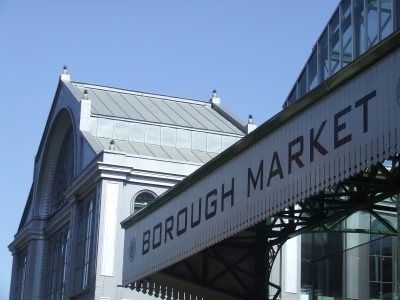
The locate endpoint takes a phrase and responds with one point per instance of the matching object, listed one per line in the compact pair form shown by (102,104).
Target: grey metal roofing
(133,105)
(159,151)
(159,126)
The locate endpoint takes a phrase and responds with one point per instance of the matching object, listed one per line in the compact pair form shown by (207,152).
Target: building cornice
(99,170)
(22,238)
(55,222)
(58,220)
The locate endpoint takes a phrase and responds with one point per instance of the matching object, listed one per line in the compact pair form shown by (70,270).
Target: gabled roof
(159,126)
(152,108)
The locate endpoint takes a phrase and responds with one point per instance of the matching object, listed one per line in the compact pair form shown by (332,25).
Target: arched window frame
(136,206)
(48,161)
(64,170)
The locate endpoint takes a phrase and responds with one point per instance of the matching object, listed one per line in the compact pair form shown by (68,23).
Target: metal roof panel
(140,108)
(185,115)
(174,153)
(155,110)
(110,103)
(125,105)
(207,112)
(158,151)
(97,104)
(152,108)
(223,123)
(212,154)
(141,149)
(189,155)
(126,147)
(176,118)
(202,155)
(190,109)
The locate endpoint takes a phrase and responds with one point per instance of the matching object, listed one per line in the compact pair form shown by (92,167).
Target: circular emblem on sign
(398,92)
(132,249)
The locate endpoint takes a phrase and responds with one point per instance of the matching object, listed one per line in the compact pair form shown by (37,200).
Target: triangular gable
(28,210)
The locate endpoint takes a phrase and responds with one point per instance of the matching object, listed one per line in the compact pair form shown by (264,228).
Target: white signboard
(352,128)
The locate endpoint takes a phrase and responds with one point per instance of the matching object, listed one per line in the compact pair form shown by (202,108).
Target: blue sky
(250,51)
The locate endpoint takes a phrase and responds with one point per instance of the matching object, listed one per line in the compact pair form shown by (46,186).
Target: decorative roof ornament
(64,74)
(112,145)
(250,125)
(85,95)
(214,98)
(250,119)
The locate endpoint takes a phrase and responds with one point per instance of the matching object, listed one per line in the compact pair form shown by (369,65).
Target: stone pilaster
(40,269)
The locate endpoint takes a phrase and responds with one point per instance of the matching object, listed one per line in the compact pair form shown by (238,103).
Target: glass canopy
(355,27)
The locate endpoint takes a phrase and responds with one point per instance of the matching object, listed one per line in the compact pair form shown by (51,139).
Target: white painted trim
(291,265)
(109,228)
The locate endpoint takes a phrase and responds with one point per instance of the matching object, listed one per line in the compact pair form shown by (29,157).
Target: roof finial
(214,99)
(112,145)
(64,74)
(250,125)
(250,119)
(85,95)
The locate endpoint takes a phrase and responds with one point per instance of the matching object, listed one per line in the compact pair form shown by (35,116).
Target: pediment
(28,211)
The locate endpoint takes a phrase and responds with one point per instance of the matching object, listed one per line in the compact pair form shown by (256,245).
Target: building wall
(54,240)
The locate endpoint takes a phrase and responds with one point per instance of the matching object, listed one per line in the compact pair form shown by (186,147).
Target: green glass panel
(359,27)
(335,43)
(292,97)
(302,85)
(312,71)
(372,17)
(347,33)
(386,19)
(323,57)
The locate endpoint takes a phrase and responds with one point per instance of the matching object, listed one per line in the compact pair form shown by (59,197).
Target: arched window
(142,199)
(64,171)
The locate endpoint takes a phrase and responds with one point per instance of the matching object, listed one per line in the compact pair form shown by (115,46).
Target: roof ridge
(139,93)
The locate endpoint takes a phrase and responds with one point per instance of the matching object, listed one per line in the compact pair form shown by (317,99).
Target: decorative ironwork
(132,249)
(240,266)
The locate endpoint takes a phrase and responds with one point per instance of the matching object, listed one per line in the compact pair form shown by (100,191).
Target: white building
(105,153)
